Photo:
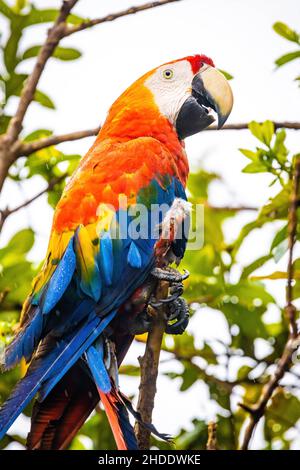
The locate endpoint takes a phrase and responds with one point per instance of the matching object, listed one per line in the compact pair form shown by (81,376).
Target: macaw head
(187,93)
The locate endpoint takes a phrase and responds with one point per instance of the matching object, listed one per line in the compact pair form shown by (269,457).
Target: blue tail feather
(49,366)
(94,356)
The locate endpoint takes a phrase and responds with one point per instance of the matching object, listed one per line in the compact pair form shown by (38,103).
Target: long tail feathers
(51,363)
(114,406)
(118,419)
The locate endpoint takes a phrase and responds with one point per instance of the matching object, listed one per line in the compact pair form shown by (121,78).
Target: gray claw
(178,311)
(169,274)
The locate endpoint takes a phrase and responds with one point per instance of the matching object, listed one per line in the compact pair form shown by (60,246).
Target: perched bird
(100,273)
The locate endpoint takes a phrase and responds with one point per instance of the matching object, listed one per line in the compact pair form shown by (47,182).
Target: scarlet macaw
(91,295)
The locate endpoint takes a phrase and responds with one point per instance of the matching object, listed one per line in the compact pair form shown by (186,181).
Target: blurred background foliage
(242,302)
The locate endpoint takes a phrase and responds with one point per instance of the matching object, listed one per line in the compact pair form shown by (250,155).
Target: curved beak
(210,92)
(213,86)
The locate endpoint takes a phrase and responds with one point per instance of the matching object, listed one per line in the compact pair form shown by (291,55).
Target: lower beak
(210,91)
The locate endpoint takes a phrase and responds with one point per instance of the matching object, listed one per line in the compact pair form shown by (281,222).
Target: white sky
(238,36)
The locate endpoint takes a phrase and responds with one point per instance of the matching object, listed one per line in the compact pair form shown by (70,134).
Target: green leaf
(255,265)
(255,167)
(62,53)
(286,32)
(43,99)
(282,414)
(279,147)
(20,243)
(249,154)
(66,53)
(267,132)
(243,373)
(4,121)
(279,237)
(40,16)
(75,19)
(284,59)
(256,130)
(263,132)
(194,438)
(11,48)
(48,16)
(280,250)
(14,85)
(38,134)
(227,75)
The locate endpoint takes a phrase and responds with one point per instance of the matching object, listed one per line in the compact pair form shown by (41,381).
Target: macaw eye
(168,73)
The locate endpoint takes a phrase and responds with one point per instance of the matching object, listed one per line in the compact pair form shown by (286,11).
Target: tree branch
(129,11)
(244,125)
(231,208)
(293,342)
(149,369)
(212,436)
(26,148)
(30,147)
(5,213)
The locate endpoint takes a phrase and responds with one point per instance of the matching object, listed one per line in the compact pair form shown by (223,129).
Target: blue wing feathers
(134,257)
(60,279)
(106,257)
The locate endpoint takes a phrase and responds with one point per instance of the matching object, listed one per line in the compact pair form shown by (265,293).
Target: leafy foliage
(293,36)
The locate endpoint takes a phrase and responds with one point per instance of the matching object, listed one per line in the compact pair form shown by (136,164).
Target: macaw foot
(177,316)
(176,309)
(169,274)
(175,279)
(141,324)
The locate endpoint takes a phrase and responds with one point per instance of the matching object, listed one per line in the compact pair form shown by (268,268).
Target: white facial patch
(171,86)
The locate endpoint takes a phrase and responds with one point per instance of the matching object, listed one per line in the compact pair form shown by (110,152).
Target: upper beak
(211,89)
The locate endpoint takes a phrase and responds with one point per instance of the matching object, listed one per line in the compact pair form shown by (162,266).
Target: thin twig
(149,370)
(244,125)
(26,148)
(212,436)
(292,232)
(257,411)
(113,16)
(231,208)
(5,213)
